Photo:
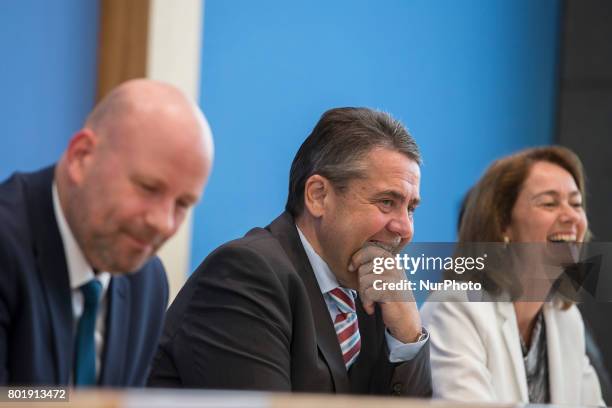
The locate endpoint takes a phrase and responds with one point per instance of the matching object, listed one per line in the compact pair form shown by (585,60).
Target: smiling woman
(534,196)
(525,350)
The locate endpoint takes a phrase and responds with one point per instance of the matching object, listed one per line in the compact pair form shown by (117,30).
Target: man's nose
(401,224)
(160,217)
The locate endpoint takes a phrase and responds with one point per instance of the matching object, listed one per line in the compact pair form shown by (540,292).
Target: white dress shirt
(79,273)
(398,351)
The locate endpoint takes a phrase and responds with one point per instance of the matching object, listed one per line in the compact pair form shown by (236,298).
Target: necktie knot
(91,292)
(343,298)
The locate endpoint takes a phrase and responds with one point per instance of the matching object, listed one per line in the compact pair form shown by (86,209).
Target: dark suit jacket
(252,316)
(36,321)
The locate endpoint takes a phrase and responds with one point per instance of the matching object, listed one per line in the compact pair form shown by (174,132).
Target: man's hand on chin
(399,310)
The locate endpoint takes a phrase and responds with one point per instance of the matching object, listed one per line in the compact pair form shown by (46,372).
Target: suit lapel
(51,262)
(117,329)
(510,334)
(283,228)
(370,346)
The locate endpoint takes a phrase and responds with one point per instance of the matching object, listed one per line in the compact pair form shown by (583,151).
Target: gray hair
(337,145)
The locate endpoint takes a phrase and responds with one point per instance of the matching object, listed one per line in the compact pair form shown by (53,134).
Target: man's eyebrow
(399,196)
(392,193)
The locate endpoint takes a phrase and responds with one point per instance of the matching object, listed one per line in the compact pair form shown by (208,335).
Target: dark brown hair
(337,145)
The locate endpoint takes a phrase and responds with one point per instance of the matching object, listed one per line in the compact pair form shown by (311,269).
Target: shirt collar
(79,270)
(325,277)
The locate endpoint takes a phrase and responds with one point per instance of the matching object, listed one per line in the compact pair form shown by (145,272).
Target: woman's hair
(487,207)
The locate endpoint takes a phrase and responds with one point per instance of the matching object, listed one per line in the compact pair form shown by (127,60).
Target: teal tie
(85,347)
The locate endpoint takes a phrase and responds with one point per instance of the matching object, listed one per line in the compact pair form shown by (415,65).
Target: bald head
(129,176)
(142,99)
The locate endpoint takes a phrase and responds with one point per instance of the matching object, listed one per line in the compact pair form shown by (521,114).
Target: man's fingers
(368,305)
(366,281)
(362,263)
(368,298)
(365,269)
(365,255)
(370,294)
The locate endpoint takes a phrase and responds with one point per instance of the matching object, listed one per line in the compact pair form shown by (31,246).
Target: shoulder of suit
(17,194)
(258,253)
(12,189)
(258,242)
(460,298)
(12,200)
(450,304)
(15,230)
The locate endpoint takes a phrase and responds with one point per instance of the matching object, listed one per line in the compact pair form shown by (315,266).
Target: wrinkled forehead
(392,170)
(392,163)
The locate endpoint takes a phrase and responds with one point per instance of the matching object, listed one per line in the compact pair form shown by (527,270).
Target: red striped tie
(347,328)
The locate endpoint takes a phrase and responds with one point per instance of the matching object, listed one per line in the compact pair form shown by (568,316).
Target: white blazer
(476,353)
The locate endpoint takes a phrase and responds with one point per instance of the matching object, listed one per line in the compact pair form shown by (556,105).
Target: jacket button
(397,389)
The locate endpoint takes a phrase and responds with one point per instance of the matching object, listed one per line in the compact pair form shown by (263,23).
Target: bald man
(82,296)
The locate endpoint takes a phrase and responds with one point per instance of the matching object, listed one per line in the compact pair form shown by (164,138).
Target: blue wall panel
(472,80)
(47,77)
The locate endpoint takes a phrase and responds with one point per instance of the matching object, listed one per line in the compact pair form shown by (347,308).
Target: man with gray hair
(82,297)
(291,307)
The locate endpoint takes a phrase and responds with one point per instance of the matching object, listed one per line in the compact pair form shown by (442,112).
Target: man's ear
(79,154)
(316,192)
